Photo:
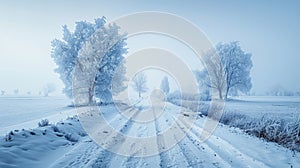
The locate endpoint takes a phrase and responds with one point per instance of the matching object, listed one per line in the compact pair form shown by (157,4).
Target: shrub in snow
(82,134)
(73,118)
(55,128)
(8,137)
(71,137)
(43,123)
(177,95)
(189,101)
(174,96)
(285,133)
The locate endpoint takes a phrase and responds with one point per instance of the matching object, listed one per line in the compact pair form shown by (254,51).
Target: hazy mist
(268,30)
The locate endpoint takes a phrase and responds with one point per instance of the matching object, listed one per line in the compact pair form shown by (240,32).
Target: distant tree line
(46,90)
(278,90)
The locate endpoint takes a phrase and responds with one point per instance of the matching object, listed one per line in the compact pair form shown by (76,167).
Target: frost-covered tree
(140,83)
(48,88)
(111,76)
(2,92)
(65,51)
(164,85)
(65,54)
(117,84)
(231,72)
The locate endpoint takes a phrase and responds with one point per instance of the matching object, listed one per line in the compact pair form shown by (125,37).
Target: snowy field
(272,107)
(66,144)
(26,112)
(281,107)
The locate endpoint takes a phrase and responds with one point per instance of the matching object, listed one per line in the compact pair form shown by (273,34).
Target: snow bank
(26,148)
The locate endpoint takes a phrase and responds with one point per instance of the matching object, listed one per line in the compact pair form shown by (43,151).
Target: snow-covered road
(227,147)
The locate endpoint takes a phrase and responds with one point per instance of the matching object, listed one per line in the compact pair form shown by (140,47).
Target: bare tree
(139,83)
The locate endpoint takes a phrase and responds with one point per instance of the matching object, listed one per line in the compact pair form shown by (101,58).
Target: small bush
(55,128)
(82,134)
(198,106)
(8,137)
(282,132)
(43,123)
(71,137)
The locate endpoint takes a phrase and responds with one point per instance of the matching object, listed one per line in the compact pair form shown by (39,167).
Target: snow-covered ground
(68,146)
(40,146)
(26,112)
(282,107)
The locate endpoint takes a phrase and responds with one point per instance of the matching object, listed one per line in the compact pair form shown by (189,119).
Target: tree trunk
(91,93)
(139,94)
(226,93)
(220,94)
(90,98)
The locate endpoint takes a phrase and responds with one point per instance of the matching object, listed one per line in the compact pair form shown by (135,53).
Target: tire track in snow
(196,154)
(228,155)
(147,161)
(164,158)
(106,156)
(142,161)
(231,153)
(85,153)
(80,155)
(228,152)
(189,152)
(167,158)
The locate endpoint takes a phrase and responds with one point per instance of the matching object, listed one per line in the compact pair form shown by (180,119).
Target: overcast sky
(270,30)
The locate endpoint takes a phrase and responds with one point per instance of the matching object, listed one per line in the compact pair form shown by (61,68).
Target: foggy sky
(268,30)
